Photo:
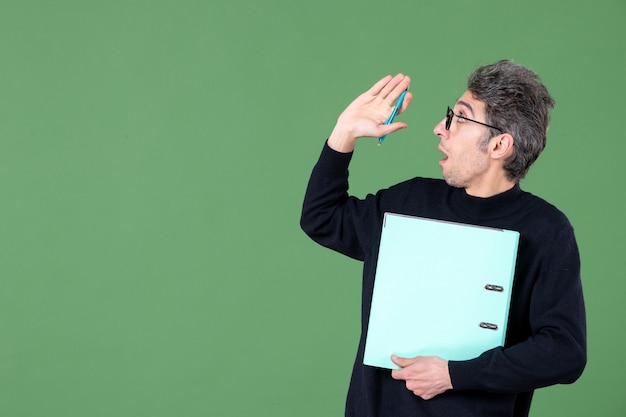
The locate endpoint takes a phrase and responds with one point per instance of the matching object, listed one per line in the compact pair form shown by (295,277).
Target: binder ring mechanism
(485,325)
(488,326)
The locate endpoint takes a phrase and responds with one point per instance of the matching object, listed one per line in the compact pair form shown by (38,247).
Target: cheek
(464,155)
(469,160)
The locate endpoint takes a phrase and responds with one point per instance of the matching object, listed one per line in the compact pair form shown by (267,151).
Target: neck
(490,187)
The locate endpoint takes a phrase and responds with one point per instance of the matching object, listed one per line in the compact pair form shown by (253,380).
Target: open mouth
(445,155)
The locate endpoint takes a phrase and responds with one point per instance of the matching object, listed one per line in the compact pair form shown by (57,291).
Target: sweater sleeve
(556,350)
(326,197)
(330,216)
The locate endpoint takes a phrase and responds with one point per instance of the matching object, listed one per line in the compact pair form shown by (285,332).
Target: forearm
(529,365)
(324,216)
(329,215)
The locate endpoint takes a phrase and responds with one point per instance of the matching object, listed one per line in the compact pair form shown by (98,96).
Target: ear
(501,146)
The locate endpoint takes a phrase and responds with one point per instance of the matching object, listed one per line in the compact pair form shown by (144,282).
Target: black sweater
(546,336)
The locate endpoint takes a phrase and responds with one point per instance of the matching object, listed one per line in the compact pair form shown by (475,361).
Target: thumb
(401,362)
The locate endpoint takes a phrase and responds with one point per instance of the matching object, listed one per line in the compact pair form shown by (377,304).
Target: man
(489,139)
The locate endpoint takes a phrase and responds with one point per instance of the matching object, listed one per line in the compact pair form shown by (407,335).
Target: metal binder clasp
(489,326)
(493,287)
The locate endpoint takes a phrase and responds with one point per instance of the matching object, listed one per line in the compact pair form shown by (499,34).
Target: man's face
(464,164)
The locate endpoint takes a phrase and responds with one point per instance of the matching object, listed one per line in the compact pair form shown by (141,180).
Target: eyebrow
(466,105)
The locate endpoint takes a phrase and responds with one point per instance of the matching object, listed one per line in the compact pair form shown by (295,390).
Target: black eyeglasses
(450,114)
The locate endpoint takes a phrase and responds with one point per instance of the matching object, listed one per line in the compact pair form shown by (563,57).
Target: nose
(440,128)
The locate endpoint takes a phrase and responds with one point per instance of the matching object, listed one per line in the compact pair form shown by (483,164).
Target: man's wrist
(341,140)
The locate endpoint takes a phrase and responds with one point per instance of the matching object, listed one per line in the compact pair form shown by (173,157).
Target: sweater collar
(479,208)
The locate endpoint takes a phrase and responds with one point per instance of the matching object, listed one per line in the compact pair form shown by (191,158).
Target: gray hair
(517,102)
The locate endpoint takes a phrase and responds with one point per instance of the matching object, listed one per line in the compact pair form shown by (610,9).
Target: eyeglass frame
(450,114)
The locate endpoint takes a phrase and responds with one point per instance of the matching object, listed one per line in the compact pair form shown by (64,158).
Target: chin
(452,182)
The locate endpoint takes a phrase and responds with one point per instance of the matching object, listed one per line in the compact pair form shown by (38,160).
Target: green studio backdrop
(153,160)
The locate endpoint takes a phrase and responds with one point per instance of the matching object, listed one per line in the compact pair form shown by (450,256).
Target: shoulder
(544,211)
(547,228)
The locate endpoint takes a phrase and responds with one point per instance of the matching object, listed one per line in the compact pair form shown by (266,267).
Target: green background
(153,160)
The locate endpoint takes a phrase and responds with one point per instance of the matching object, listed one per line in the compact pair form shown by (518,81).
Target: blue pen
(394,112)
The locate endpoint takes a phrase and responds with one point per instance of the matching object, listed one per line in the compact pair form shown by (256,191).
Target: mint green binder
(441,289)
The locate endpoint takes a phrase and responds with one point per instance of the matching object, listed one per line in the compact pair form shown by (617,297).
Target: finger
(402,86)
(378,87)
(392,90)
(423,396)
(396,374)
(406,103)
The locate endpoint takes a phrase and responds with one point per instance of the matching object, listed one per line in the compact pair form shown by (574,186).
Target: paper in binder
(441,289)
